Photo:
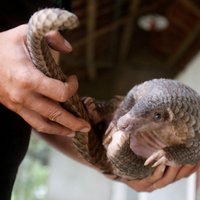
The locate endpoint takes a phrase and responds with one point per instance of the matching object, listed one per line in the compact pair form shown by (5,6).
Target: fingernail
(71,134)
(68,45)
(85,129)
(73,77)
(146,163)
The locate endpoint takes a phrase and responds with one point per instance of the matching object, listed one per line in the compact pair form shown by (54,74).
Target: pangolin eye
(157,116)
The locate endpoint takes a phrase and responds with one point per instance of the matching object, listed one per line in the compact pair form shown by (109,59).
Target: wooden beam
(90,42)
(183,47)
(128,30)
(193,33)
(100,32)
(102,64)
(191,6)
(115,36)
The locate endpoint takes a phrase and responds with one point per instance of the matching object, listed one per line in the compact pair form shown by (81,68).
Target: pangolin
(157,122)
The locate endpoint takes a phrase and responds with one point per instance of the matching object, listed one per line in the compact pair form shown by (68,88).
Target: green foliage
(31,182)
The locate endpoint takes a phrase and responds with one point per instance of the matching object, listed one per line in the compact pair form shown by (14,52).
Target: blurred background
(119,43)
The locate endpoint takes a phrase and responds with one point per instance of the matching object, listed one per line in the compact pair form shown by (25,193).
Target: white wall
(69,180)
(191,74)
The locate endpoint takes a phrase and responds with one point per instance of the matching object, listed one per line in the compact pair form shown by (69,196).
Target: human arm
(28,92)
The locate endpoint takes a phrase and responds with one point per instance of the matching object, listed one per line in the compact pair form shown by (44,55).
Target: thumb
(57,42)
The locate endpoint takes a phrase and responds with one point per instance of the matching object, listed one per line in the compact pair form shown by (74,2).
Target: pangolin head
(157,116)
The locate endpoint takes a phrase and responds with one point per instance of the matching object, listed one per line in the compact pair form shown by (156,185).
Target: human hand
(162,176)
(28,92)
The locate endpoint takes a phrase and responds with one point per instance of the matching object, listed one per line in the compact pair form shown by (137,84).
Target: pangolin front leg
(101,110)
(159,158)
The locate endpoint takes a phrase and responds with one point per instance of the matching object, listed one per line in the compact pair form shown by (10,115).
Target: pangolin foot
(159,158)
(90,106)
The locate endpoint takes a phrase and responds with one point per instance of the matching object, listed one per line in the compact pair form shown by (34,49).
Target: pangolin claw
(159,158)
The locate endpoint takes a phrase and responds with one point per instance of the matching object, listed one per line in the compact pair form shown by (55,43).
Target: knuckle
(155,177)
(55,115)
(13,106)
(149,190)
(24,80)
(41,129)
(70,89)
(64,95)
(16,98)
(165,182)
(138,189)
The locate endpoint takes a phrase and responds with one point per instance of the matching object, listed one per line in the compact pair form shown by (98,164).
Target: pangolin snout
(126,123)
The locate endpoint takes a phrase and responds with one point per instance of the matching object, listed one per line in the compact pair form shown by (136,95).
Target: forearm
(65,145)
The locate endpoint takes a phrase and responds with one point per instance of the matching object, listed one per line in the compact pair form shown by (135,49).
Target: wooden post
(128,30)
(90,44)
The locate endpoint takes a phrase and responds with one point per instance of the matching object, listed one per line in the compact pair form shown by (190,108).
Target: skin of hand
(162,176)
(28,92)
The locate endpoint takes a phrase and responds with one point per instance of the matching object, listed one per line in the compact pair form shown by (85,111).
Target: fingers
(186,171)
(41,125)
(40,94)
(29,93)
(173,174)
(168,178)
(162,177)
(144,184)
(52,111)
(57,90)
(57,42)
